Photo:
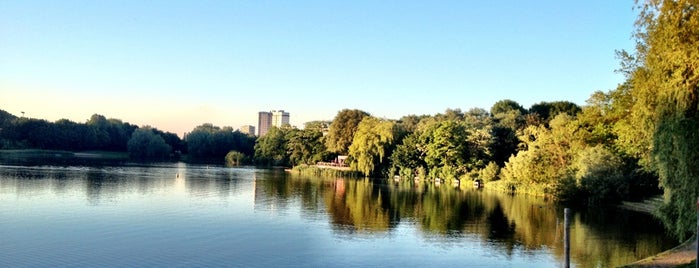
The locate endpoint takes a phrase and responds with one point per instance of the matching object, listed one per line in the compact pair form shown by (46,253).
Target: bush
(144,144)
(599,175)
(234,158)
(490,172)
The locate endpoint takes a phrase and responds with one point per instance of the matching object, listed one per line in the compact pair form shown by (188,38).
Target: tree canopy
(342,129)
(370,145)
(144,144)
(664,81)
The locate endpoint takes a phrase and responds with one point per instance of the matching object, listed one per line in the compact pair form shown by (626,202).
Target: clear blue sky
(177,64)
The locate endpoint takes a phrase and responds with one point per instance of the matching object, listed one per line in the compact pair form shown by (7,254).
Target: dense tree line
(209,142)
(287,146)
(205,142)
(662,97)
(616,147)
(556,148)
(98,133)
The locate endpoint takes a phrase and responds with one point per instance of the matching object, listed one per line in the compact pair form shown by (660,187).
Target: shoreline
(683,255)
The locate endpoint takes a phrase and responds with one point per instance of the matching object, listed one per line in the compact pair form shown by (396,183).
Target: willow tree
(145,144)
(342,129)
(371,144)
(665,82)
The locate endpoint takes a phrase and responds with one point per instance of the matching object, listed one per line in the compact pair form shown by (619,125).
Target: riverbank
(29,154)
(325,171)
(683,255)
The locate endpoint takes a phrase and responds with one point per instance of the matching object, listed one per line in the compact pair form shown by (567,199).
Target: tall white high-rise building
(266,120)
(280,118)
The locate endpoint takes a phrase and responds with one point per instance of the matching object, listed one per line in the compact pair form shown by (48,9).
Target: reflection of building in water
(254,190)
(266,194)
(339,187)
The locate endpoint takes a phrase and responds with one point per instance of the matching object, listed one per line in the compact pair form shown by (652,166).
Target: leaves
(370,145)
(665,87)
(342,129)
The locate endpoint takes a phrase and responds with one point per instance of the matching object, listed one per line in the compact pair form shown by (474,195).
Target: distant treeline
(205,142)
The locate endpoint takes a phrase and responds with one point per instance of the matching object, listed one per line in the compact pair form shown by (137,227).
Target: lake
(196,215)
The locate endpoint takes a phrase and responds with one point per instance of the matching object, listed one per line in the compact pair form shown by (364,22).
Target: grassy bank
(37,156)
(324,171)
(526,189)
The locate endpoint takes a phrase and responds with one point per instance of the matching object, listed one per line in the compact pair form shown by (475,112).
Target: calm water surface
(195,215)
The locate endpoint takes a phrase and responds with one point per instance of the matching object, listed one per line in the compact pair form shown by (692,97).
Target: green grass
(325,172)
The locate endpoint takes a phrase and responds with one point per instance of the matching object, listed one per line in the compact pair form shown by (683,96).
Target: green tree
(212,142)
(506,106)
(548,110)
(599,175)
(100,125)
(306,146)
(371,145)
(407,157)
(235,158)
(665,87)
(342,129)
(271,149)
(145,144)
(509,117)
(318,126)
(445,145)
(545,157)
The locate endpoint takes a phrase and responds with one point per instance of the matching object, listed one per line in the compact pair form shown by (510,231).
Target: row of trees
(205,142)
(662,97)
(615,147)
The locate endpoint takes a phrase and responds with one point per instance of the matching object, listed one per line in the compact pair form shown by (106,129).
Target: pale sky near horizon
(178,64)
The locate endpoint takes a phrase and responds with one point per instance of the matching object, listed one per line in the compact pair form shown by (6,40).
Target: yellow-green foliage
(546,160)
(665,86)
(324,171)
(369,146)
(490,172)
(234,158)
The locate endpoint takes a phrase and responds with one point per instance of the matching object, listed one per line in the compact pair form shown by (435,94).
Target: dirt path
(680,255)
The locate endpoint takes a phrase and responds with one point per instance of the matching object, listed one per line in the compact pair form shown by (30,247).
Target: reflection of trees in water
(203,182)
(499,226)
(359,205)
(363,206)
(501,229)
(506,222)
(443,210)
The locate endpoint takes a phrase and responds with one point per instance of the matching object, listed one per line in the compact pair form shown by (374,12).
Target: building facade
(280,118)
(248,129)
(266,120)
